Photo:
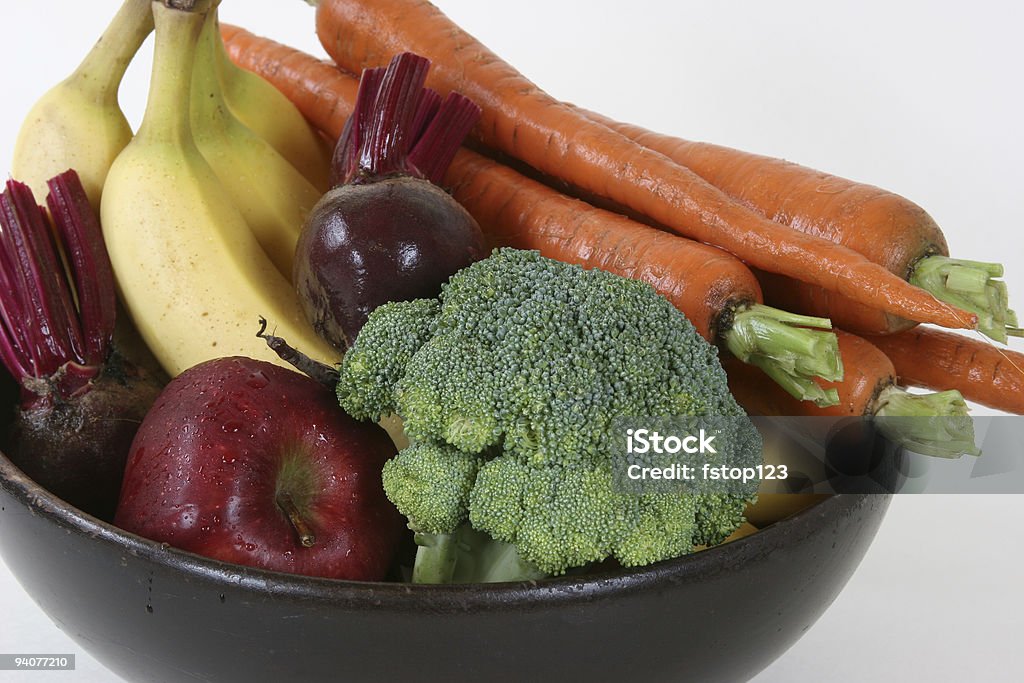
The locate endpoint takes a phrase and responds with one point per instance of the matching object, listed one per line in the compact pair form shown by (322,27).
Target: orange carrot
(712,288)
(867,389)
(888,229)
(526,123)
(982,372)
(868,373)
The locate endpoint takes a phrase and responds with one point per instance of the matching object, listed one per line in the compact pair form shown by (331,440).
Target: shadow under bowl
(153,613)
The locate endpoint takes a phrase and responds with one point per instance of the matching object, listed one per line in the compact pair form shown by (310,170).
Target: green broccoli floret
(445,472)
(718,515)
(377,360)
(561,516)
(519,382)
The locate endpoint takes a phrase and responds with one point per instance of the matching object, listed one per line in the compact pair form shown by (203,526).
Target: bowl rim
(396,596)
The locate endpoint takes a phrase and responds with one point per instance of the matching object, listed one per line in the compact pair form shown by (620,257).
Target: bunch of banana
(200,212)
(78,123)
(192,271)
(265,111)
(272,195)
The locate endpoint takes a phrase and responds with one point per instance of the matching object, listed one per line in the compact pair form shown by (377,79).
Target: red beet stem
(384,149)
(41,330)
(345,164)
(47,330)
(400,127)
(426,110)
(436,146)
(90,266)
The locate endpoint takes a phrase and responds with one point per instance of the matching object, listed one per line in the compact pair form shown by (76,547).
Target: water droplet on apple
(257,380)
(250,547)
(230,427)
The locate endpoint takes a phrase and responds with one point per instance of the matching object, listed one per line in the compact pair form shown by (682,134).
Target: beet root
(366,244)
(77,448)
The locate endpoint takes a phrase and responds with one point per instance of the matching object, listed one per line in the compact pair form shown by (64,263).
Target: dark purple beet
(365,245)
(80,402)
(387,232)
(77,448)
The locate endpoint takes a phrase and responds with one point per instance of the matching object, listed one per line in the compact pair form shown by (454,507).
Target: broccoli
(511,387)
(445,472)
(373,366)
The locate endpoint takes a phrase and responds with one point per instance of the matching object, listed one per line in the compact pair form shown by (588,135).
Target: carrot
(712,288)
(890,230)
(983,373)
(868,373)
(868,389)
(521,120)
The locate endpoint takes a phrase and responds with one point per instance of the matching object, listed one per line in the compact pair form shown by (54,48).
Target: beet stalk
(80,401)
(386,231)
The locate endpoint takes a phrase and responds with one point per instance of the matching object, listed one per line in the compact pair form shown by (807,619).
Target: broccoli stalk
(469,556)
(781,344)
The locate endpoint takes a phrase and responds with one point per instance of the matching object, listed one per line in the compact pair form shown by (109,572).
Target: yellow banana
(191,274)
(78,123)
(272,116)
(273,197)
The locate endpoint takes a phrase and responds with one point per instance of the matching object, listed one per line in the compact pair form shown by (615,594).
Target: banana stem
(781,344)
(930,424)
(190,5)
(167,115)
(972,286)
(103,68)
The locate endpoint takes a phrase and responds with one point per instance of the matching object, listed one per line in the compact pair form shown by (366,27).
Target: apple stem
(321,372)
(306,536)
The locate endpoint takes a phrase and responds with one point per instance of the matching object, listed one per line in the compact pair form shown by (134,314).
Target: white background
(923,98)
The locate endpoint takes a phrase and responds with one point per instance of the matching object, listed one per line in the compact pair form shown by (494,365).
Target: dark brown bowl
(153,613)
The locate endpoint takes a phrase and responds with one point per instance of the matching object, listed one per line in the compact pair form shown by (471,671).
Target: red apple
(248,462)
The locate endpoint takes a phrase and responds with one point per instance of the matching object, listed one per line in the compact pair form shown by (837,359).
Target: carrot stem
(783,345)
(972,286)
(930,424)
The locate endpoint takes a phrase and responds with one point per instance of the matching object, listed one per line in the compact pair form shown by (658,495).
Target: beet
(387,231)
(77,449)
(80,401)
